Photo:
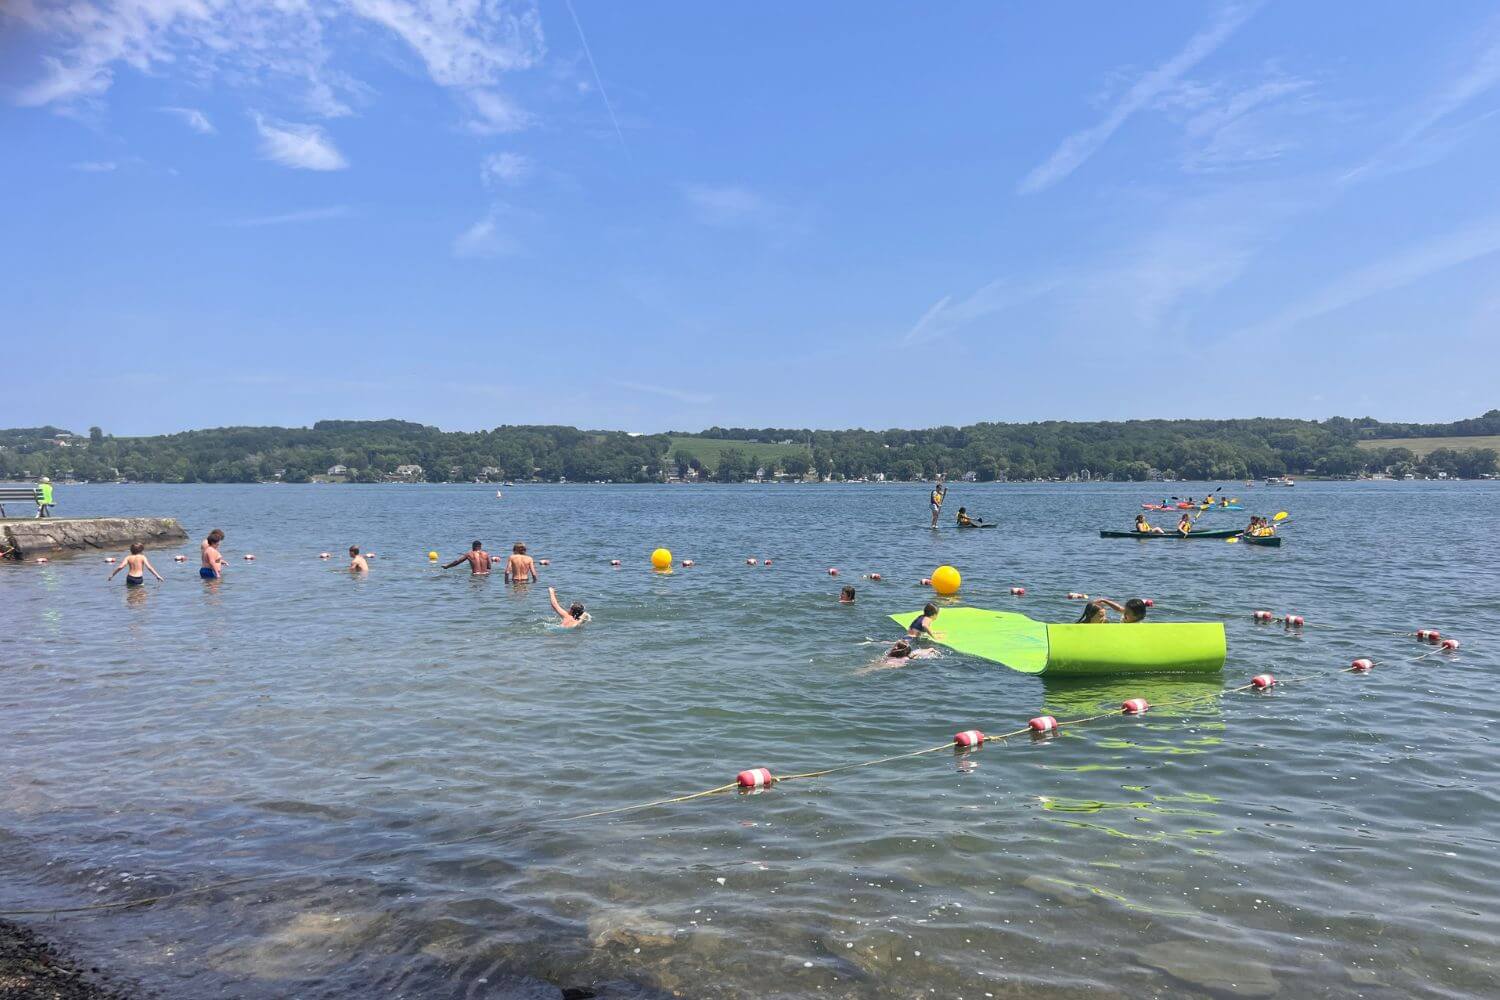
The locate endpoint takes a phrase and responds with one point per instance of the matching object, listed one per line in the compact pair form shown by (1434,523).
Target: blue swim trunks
(207,573)
(135,581)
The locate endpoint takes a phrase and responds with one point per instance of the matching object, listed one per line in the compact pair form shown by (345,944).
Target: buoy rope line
(753,779)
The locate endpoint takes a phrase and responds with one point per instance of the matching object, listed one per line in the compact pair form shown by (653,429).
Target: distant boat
(1279,481)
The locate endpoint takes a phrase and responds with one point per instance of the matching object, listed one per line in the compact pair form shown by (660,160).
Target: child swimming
(846,596)
(571,618)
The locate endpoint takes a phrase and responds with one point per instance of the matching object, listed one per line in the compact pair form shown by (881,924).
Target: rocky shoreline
(32,968)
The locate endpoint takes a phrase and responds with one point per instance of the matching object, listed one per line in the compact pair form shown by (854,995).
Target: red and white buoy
(832,571)
(1451,645)
(249,557)
(1018,592)
(41,560)
(1428,635)
(750,562)
(1135,706)
(1075,596)
(614,562)
(1042,724)
(548,562)
(926,581)
(1262,616)
(321,555)
(755,777)
(109,559)
(1148,602)
(766,562)
(1362,665)
(1294,621)
(968,738)
(1263,681)
(182,558)
(687,564)
(875,577)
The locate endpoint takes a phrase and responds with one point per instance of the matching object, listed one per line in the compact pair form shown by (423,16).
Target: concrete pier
(47,535)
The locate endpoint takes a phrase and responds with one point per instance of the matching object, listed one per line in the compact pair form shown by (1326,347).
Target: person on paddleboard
(939,494)
(965,521)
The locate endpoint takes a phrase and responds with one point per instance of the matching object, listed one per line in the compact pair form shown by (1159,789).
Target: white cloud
(1079,146)
(193,119)
(1479,76)
(729,205)
(682,396)
(495,113)
(285,218)
(505,168)
(946,316)
(96,166)
(303,147)
(464,43)
(1396,271)
(484,238)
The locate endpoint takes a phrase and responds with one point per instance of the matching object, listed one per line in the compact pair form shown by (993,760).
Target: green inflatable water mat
(1034,647)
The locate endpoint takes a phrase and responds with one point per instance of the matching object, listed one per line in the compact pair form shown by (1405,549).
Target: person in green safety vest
(44,498)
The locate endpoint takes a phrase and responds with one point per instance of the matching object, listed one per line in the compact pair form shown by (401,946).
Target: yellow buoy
(432,556)
(946,580)
(662,559)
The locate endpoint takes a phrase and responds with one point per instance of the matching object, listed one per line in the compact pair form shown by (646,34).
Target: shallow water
(411,747)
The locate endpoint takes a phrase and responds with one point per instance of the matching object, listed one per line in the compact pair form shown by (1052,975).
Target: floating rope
(758,778)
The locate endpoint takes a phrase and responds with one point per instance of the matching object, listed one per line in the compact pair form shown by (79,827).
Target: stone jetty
(60,535)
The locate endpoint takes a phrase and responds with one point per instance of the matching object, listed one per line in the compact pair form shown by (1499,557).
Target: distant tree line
(373,451)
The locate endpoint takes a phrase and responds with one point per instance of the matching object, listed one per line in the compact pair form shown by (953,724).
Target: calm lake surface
(415,744)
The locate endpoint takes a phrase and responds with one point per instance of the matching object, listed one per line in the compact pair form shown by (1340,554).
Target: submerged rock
(629,929)
(1212,968)
(1059,892)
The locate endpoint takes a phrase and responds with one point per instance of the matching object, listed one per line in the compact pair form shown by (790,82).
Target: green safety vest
(46,489)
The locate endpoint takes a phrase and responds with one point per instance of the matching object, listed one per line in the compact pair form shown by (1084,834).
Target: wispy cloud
(495,114)
(291,218)
(733,206)
(302,147)
(1079,146)
(505,169)
(1396,271)
(1229,126)
(680,395)
(95,166)
(484,238)
(1480,75)
(945,316)
(193,119)
(608,105)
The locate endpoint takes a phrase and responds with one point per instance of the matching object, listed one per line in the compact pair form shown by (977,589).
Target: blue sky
(842,214)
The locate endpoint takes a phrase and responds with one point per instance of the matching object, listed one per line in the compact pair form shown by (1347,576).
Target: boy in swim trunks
(137,565)
(520,568)
(476,557)
(213,561)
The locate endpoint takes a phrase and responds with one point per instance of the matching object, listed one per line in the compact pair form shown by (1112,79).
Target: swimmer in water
(520,568)
(920,626)
(846,596)
(137,565)
(1094,613)
(357,562)
(213,560)
(573,616)
(476,557)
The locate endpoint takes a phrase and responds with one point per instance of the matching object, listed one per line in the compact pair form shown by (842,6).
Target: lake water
(410,748)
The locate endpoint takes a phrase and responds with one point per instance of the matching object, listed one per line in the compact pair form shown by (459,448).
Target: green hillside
(1422,447)
(708,450)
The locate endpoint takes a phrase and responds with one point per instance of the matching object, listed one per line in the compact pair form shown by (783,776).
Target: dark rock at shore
(39,535)
(33,969)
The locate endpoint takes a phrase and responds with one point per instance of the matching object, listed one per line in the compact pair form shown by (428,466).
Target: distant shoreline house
(338,470)
(408,473)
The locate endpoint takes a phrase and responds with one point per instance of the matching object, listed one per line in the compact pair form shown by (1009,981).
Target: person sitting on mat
(965,521)
(1144,527)
(1185,525)
(571,618)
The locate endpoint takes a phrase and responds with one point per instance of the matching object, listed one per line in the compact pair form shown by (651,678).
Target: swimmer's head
(900,650)
(846,595)
(1135,610)
(477,545)
(353,550)
(136,548)
(930,611)
(963,510)
(1093,614)
(577,611)
(519,548)
(215,537)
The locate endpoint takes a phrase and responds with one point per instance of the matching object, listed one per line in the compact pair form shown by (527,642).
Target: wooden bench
(14,494)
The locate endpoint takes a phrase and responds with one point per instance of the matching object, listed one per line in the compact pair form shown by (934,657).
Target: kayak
(1220,533)
(1223,506)
(979,526)
(1034,647)
(1272,540)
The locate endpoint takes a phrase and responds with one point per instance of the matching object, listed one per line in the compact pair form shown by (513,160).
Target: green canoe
(1272,540)
(1034,647)
(1219,533)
